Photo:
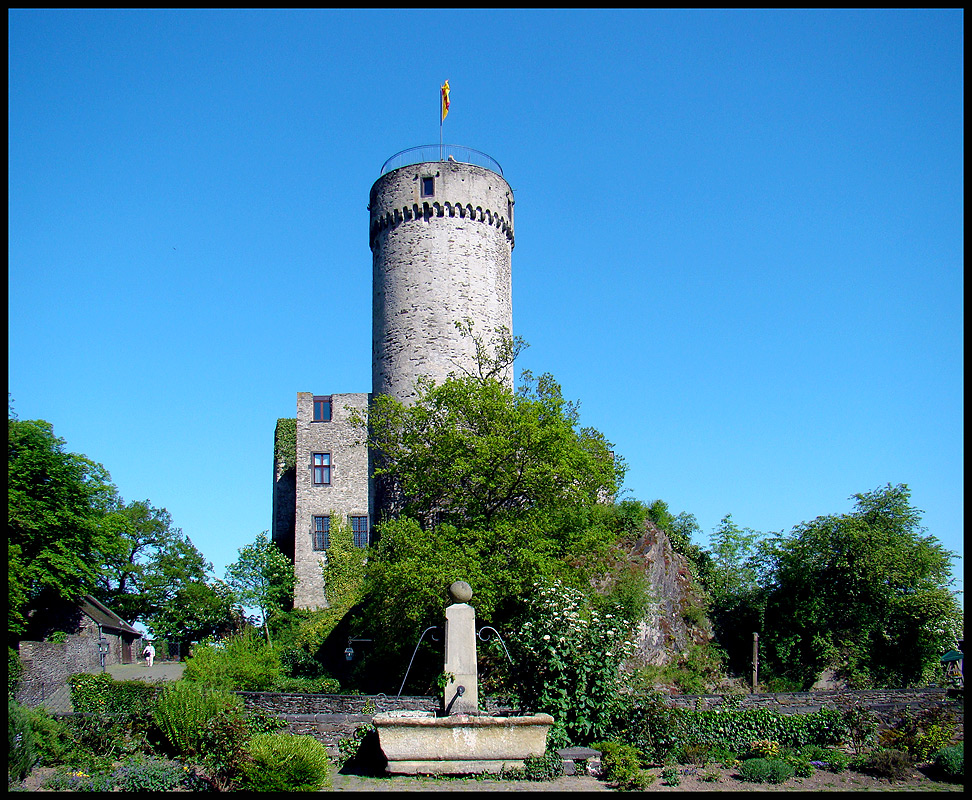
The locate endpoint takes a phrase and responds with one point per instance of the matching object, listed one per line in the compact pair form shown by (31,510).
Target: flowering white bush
(568,659)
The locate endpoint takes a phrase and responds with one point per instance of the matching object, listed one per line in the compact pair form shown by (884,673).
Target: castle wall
(438,259)
(347,494)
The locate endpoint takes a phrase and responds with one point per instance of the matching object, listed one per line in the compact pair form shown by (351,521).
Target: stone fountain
(460,739)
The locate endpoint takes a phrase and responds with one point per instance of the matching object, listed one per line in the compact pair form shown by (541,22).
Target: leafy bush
(21,751)
(15,669)
(779,770)
(224,738)
(861,724)
(112,716)
(695,754)
(826,757)
(128,703)
(802,767)
(670,776)
(724,756)
(543,768)
(153,775)
(921,734)
(837,761)
(763,748)
(661,731)
(135,774)
(183,710)
(323,684)
(950,762)
(77,780)
(891,764)
(754,770)
(568,661)
(240,663)
(765,770)
(285,763)
(53,741)
(621,764)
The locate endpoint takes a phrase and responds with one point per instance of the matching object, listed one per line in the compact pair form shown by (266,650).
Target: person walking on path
(149,653)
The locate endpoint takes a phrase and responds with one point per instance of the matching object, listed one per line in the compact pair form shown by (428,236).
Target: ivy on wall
(343,566)
(285,444)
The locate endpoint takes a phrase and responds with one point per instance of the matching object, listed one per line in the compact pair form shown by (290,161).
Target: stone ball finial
(460,592)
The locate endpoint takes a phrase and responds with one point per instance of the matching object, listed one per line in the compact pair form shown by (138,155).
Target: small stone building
(83,623)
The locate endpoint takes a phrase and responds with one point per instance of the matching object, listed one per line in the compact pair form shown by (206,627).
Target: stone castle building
(441,236)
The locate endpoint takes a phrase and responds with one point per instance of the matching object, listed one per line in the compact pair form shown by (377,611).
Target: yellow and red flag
(444,90)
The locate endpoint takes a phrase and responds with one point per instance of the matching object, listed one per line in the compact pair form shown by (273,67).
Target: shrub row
(195,722)
(661,732)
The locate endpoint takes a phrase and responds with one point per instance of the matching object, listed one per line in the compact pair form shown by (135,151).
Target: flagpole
(443,110)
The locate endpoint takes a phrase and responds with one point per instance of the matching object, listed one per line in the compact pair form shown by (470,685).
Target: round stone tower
(442,240)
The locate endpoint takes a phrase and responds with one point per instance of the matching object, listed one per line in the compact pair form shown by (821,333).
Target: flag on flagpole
(444,91)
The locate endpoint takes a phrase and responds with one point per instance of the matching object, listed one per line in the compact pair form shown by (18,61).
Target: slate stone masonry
(332,717)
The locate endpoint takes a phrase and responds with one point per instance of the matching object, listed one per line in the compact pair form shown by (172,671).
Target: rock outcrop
(675,620)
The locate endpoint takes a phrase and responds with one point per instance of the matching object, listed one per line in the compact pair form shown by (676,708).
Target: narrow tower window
(322,409)
(428,187)
(322,533)
(322,469)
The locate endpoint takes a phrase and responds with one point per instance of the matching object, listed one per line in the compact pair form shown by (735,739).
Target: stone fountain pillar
(461,694)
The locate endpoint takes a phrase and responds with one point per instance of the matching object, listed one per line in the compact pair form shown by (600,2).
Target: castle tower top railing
(426,153)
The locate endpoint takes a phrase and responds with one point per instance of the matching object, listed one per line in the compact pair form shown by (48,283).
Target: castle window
(322,533)
(428,187)
(322,409)
(322,469)
(359,527)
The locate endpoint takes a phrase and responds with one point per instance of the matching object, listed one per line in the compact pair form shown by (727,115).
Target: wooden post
(755,660)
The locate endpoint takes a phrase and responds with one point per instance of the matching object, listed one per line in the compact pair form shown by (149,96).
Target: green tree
(411,568)
(733,572)
(152,562)
(489,486)
(469,451)
(56,507)
(736,577)
(262,577)
(865,592)
(195,612)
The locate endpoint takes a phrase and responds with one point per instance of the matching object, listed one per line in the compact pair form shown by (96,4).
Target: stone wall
(332,717)
(48,664)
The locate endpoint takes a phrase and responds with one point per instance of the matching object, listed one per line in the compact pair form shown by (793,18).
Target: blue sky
(739,239)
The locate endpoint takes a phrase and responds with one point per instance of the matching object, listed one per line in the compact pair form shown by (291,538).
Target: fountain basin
(421,743)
